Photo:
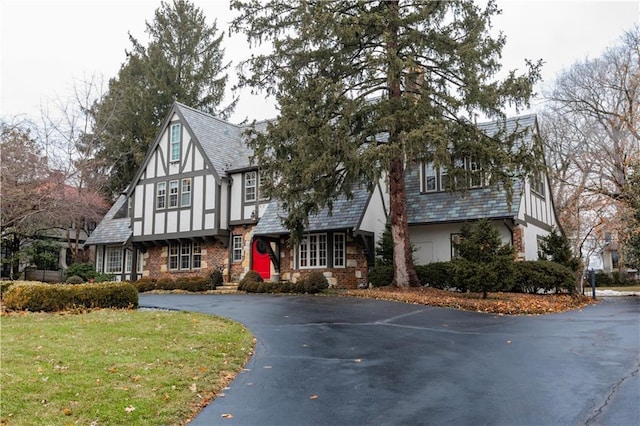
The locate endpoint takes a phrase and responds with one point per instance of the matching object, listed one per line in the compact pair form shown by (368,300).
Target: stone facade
(350,277)
(156,260)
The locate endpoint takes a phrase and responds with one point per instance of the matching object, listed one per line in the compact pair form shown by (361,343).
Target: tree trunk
(404,272)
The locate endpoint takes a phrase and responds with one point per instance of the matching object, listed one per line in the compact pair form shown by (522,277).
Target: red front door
(261,263)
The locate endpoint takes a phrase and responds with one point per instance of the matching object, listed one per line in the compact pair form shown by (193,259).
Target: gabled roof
(473,204)
(221,141)
(346,214)
(112,229)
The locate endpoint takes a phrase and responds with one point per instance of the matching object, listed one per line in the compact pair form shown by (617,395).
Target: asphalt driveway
(346,361)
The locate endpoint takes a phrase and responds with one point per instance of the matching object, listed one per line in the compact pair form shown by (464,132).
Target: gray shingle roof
(112,230)
(439,207)
(346,215)
(221,141)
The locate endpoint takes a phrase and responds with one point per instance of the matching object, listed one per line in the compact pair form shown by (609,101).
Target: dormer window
(436,179)
(174,142)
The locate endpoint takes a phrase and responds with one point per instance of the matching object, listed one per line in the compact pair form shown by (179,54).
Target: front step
(226,288)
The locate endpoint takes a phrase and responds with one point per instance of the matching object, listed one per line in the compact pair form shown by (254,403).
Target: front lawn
(115,366)
(497,303)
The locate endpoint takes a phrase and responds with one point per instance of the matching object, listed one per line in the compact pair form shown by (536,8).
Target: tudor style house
(195,205)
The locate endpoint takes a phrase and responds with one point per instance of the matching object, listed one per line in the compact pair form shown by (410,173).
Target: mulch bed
(496,303)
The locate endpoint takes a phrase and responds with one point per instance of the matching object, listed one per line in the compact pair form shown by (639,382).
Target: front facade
(196,206)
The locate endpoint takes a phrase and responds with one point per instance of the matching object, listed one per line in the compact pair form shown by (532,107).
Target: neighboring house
(195,205)
(436,216)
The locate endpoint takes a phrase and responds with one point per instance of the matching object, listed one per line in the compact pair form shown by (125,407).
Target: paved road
(384,363)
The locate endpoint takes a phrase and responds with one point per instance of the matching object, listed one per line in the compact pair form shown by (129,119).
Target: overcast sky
(48,45)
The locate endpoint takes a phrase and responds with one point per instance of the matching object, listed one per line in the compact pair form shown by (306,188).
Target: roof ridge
(206,114)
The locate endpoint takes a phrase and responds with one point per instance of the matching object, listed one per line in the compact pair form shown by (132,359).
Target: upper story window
(250,186)
(436,179)
(161,195)
(186,192)
(173,193)
(537,184)
(174,142)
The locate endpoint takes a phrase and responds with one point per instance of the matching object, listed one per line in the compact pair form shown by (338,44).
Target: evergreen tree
(183,62)
(556,248)
(366,88)
(485,264)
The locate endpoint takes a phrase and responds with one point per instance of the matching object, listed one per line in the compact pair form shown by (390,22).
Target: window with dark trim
(174,142)
(186,192)
(250,186)
(161,195)
(173,193)
(537,184)
(436,179)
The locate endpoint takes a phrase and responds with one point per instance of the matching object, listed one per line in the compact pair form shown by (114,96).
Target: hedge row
(522,277)
(59,297)
(187,284)
(315,282)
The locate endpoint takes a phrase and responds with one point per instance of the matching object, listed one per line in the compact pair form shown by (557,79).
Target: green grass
(115,367)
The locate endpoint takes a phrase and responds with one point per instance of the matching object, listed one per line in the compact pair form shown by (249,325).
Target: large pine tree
(182,62)
(366,88)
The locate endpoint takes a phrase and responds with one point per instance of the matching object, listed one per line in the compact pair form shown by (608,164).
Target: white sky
(49,45)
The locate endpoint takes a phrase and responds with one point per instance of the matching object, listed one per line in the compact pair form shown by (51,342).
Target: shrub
(380,275)
(315,282)
(216,278)
(249,277)
(75,279)
(5,285)
(483,277)
(84,270)
(103,278)
(534,276)
(436,275)
(145,284)
(55,297)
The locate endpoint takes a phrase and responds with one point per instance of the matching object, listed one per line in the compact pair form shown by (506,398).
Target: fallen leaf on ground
(130,409)
(314,397)
(226,416)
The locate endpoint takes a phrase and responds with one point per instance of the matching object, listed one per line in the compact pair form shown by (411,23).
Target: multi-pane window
(128,258)
(113,260)
(430,178)
(437,178)
(197,255)
(185,256)
(173,193)
(338,251)
(175,142)
(161,195)
(237,248)
(186,192)
(250,186)
(173,256)
(312,251)
(537,184)
(261,194)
